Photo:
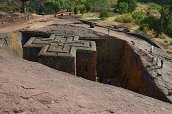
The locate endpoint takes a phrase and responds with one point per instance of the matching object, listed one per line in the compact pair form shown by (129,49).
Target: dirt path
(18,26)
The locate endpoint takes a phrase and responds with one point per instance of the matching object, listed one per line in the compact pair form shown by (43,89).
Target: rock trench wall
(135,77)
(118,64)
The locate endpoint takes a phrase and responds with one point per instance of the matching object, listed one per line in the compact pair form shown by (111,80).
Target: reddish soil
(19,25)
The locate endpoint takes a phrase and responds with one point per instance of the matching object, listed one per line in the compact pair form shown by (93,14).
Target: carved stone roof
(57,45)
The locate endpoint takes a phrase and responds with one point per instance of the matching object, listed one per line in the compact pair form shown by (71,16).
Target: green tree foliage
(103,7)
(104,14)
(156,1)
(152,23)
(169,29)
(76,10)
(122,8)
(159,24)
(166,17)
(131,4)
(138,16)
(154,6)
(54,5)
(82,9)
(10,5)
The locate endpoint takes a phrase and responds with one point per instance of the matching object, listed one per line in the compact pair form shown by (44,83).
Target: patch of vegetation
(158,24)
(170,42)
(154,6)
(104,14)
(53,5)
(138,16)
(82,9)
(122,8)
(125,18)
(166,41)
(10,5)
(130,3)
(76,10)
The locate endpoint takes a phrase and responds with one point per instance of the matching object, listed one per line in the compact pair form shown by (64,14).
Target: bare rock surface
(31,88)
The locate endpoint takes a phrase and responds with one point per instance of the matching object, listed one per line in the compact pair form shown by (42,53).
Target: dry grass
(90,16)
(14,43)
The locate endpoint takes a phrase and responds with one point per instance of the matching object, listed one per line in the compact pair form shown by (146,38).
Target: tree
(68,4)
(76,10)
(156,24)
(55,5)
(166,16)
(104,14)
(152,23)
(138,16)
(23,5)
(82,9)
(122,8)
(103,7)
(159,24)
(87,5)
(131,4)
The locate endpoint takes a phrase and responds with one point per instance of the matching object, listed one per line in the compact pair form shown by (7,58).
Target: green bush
(138,16)
(142,27)
(104,13)
(122,8)
(132,4)
(76,10)
(154,6)
(153,23)
(166,41)
(125,18)
(169,30)
(82,9)
(52,6)
(170,42)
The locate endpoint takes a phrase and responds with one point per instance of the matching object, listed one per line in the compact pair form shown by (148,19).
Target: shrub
(125,18)
(54,6)
(132,4)
(166,41)
(169,28)
(82,9)
(122,8)
(76,10)
(104,13)
(170,42)
(138,16)
(142,27)
(154,6)
(155,24)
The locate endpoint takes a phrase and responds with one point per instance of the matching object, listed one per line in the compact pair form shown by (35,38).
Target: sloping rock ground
(28,87)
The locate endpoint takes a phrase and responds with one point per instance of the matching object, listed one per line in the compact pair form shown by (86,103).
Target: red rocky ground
(31,88)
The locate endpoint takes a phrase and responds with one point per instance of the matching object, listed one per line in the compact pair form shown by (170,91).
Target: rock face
(11,41)
(134,75)
(68,54)
(120,65)
(29,87)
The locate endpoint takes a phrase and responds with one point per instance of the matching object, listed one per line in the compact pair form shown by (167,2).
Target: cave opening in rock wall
(116,64)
